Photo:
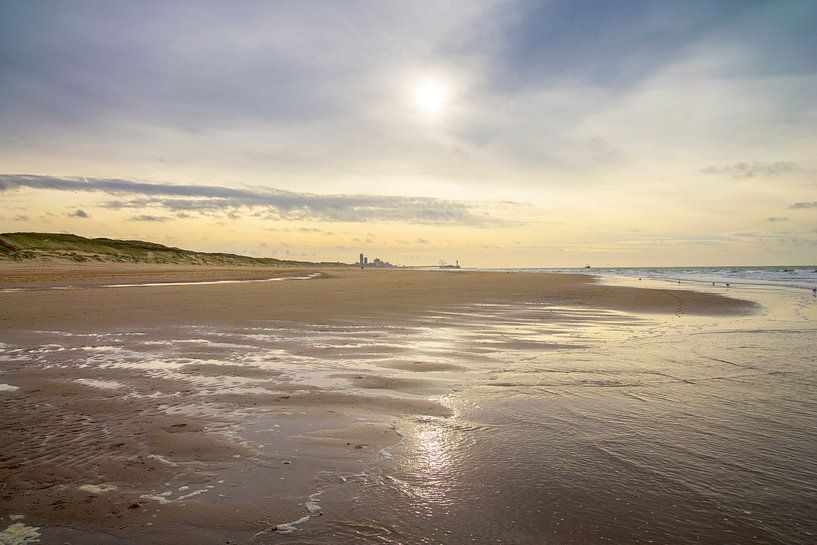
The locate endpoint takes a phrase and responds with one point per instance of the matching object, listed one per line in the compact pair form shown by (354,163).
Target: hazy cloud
(592,111)
(774,219)
(77,213)
(797,205)
(277,203)
(148,217)
(750,170)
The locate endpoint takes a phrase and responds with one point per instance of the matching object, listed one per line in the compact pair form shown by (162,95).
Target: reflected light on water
(430,470)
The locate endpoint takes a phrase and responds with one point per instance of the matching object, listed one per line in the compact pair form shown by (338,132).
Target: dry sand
(335,296)
(81,460)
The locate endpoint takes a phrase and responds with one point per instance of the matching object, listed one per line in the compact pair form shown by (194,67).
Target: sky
(507,133)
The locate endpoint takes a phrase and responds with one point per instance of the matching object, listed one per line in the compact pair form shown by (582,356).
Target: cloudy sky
(500,133)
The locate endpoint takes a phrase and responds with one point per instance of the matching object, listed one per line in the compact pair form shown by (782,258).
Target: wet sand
(354,406)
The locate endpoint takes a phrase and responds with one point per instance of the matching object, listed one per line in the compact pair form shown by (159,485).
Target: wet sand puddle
(149,420)
(285,277)
(489,423)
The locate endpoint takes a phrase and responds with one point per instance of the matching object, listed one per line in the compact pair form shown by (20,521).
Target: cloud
(148,217)
(291,88)
(277,204)
(621,44)
(774,219)
(798,205)
(206,69)
(751,170)
(598,43)
(76,213)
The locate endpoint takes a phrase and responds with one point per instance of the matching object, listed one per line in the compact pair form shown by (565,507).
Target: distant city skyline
(500,133)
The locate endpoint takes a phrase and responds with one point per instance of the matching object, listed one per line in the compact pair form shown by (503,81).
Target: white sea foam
(8,388)
(798,277)
(162,459)
(111,349)
(20,534)
(12,358)
(160,499)
(97,488)
(97,383)
(312,503)
(193,493)
(289,527)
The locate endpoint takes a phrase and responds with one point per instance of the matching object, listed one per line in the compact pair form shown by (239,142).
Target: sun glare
(431,96)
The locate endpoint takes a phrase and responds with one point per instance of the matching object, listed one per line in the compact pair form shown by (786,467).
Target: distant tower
(361,259)
(458,263)
(365,260)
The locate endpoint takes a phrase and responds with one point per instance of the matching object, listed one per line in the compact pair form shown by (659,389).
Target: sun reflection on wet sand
(517,421)
(432,460)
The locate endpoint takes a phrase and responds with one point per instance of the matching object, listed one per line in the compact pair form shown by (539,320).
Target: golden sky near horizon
(499,134)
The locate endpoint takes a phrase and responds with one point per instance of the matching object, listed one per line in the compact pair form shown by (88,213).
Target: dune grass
(63,246)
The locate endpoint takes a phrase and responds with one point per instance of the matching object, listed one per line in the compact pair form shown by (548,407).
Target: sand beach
(341,406)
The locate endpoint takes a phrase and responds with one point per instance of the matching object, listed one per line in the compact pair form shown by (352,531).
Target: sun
(431,97)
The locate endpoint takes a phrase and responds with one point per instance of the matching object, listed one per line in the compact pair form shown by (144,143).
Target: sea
(793,277)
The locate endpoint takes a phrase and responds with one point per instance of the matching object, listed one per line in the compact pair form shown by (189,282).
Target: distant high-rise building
(362,262)
(365,260)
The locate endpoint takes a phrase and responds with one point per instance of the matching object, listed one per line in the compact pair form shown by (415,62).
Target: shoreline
(150,411)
